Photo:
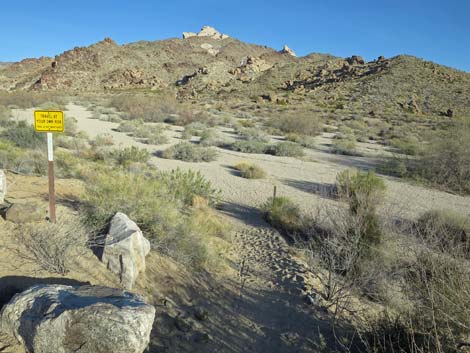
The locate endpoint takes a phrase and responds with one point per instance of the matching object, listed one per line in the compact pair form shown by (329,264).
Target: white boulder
(125,249)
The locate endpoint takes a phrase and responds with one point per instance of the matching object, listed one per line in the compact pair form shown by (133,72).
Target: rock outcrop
(87,319)
(125,249)
(287,50)
(3,186)
(25,213)
(206,31)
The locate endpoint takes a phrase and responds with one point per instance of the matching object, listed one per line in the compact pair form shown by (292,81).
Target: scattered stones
(87,319)
(25,213)
(288,51)
(125,249)
(3,186)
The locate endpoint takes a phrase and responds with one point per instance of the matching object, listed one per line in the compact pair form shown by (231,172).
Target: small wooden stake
(50,172)
(274,194)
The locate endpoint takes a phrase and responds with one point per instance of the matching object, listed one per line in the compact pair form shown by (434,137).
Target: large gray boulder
(3,186)
(87,319)
(125,249)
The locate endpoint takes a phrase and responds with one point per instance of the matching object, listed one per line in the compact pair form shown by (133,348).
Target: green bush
(23,135)
(253,134)
(363,191)
(187,184)
(250,171)
(210,137)
(249,147)
(284,215)
(345,145)
(188,152)
(124,157)
(305,141)
(31,162)
(5,115)
(286,149)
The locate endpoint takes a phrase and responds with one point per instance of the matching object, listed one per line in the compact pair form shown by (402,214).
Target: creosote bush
(250,171)
(283,214)
(364,192)
(188,152)
(286,149)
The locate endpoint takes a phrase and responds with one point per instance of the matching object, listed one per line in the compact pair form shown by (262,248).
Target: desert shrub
(446,159)
(250,171)
(363,191)
(210,137)
(188,152)
(394,166)
(303,123)
(253,134)
(286,149)
(345,145)
(5,114)
(156,139)
(124,157)
(130,126)
(283,214)
(102,140)
(23,135)
(187,117)
(247,123)
(31,162)
(249,147)
(445,230)
(302,140)
(51,246)
(408,145)
(188,184)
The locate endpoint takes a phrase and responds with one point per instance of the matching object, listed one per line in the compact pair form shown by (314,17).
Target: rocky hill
(209,65)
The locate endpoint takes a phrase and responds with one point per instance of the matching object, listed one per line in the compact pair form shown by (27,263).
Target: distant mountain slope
(210,65)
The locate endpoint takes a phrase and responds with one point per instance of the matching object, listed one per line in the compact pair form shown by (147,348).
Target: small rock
(311,299)
(201,337)
(25,213)
(200,314)
(182,324)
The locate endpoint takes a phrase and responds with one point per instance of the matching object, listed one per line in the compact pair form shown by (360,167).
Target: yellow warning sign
(48,121)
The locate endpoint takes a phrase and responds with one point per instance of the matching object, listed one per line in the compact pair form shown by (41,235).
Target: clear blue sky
(432,29)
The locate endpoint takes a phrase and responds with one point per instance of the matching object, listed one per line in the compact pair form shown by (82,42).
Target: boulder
(3,186)
(206,31)
(187,35)
(287,50)
(125,249)
(355,60)
(87,319)
(25,213)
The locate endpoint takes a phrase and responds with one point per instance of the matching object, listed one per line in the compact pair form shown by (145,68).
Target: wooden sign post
(49,122)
